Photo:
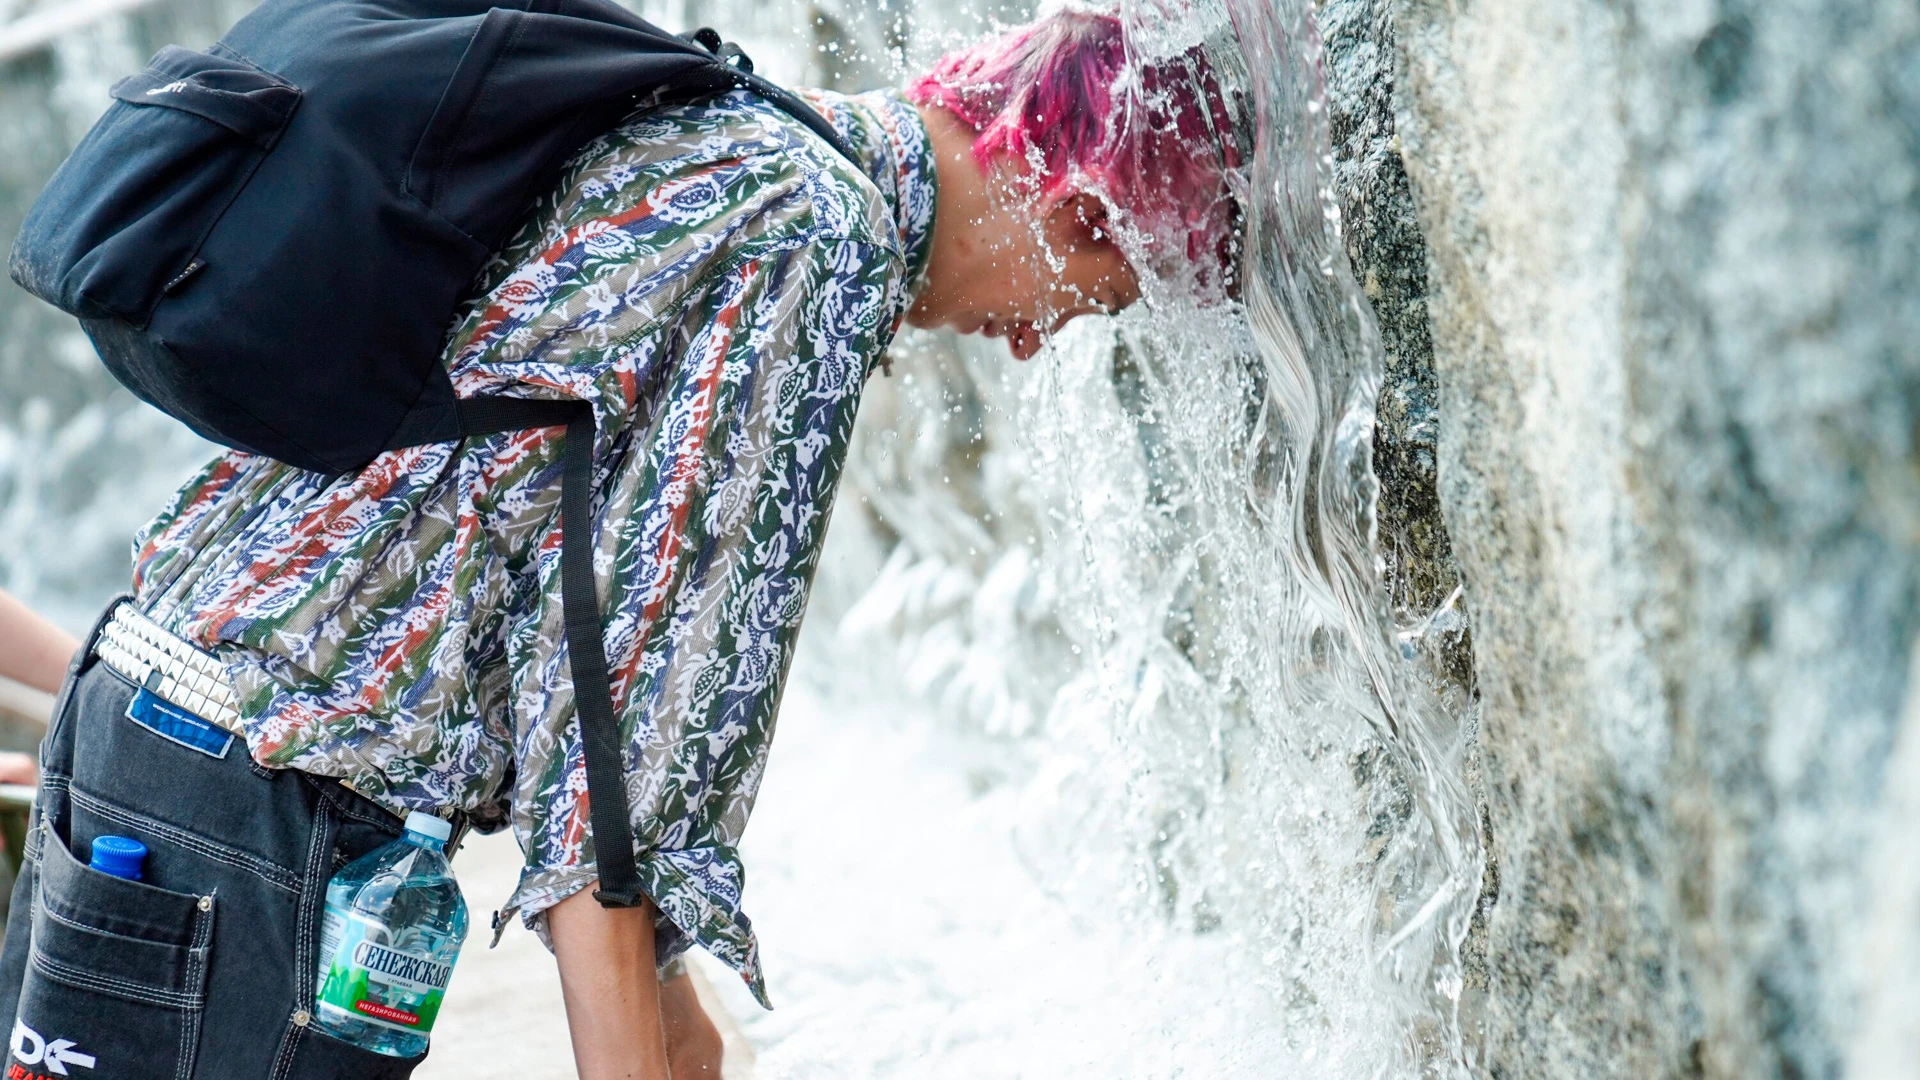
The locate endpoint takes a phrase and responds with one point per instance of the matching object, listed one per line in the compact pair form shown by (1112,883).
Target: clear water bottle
(393,925)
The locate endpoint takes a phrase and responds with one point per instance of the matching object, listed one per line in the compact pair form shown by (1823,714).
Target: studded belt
(168,667)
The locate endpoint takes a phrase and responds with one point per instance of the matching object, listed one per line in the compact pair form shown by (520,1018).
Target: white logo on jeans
(31,1049)
(171,88)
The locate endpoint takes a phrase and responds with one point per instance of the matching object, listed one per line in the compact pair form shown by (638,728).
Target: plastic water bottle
(121,856)
(393,925)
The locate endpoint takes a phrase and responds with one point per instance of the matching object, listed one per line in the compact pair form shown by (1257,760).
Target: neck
(963,206)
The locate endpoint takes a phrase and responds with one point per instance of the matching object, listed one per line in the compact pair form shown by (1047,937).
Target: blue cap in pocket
(120,856)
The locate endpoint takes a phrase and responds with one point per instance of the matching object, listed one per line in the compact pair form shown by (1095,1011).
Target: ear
(1079,222)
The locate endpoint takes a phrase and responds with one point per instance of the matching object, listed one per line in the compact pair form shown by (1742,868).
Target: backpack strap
(586,647)
(607,806)
(791,104)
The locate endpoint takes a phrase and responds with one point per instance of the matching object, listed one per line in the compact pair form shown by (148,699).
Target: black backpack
(268,241)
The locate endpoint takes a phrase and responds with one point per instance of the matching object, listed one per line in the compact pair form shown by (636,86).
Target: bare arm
(33,650)
(610,987)
(694,1045)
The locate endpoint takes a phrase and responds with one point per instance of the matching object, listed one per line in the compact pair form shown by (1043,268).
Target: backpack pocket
(122,222)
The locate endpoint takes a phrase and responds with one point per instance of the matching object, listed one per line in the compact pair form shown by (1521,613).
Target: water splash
(1307,313)
(1178,512)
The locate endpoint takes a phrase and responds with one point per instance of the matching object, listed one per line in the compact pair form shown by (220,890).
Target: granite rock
(1673,306)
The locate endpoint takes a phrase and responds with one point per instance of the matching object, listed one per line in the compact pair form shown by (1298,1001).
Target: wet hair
(1066,94)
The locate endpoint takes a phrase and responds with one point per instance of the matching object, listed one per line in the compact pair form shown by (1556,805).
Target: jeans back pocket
(116,976)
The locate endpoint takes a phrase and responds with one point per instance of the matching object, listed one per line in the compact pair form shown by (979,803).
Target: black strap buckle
(709,39)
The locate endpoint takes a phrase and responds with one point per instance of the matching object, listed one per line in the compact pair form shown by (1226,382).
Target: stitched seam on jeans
(272,874)
(51,784)
(277,876)
(196,976)
(320,844)
(87,980)
(87,928)
(348,803)
(380,822)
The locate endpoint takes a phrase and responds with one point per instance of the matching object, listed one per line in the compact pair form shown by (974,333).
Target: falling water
(1141,569)
(1322,358)
(1148,560)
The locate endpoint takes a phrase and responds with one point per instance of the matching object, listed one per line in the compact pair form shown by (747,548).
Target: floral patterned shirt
(718,283)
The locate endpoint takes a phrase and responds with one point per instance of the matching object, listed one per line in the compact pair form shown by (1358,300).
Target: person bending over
(719,284)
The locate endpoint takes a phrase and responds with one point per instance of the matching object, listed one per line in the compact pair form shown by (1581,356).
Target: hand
(18,769)
(693,1043)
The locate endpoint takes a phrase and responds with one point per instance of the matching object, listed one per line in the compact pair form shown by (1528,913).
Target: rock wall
(1674,310)
(1382,235)
(1389,255)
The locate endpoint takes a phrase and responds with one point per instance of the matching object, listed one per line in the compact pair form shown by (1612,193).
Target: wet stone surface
(1672,311)
(1381,232)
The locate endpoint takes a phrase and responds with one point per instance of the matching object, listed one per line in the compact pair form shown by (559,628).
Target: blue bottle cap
(120,856)
(429,826)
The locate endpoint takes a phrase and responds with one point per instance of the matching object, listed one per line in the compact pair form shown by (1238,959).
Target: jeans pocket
(115,978)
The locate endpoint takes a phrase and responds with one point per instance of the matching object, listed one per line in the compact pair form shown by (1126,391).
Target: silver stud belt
(143,651)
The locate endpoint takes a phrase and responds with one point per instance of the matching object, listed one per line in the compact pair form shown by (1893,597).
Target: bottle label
(373,982)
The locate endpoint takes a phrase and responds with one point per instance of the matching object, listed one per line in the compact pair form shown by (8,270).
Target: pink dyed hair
(1153,139)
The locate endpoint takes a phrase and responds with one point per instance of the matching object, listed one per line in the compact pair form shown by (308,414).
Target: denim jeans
(205,968)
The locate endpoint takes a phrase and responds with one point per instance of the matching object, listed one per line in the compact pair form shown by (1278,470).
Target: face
(1008,265)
